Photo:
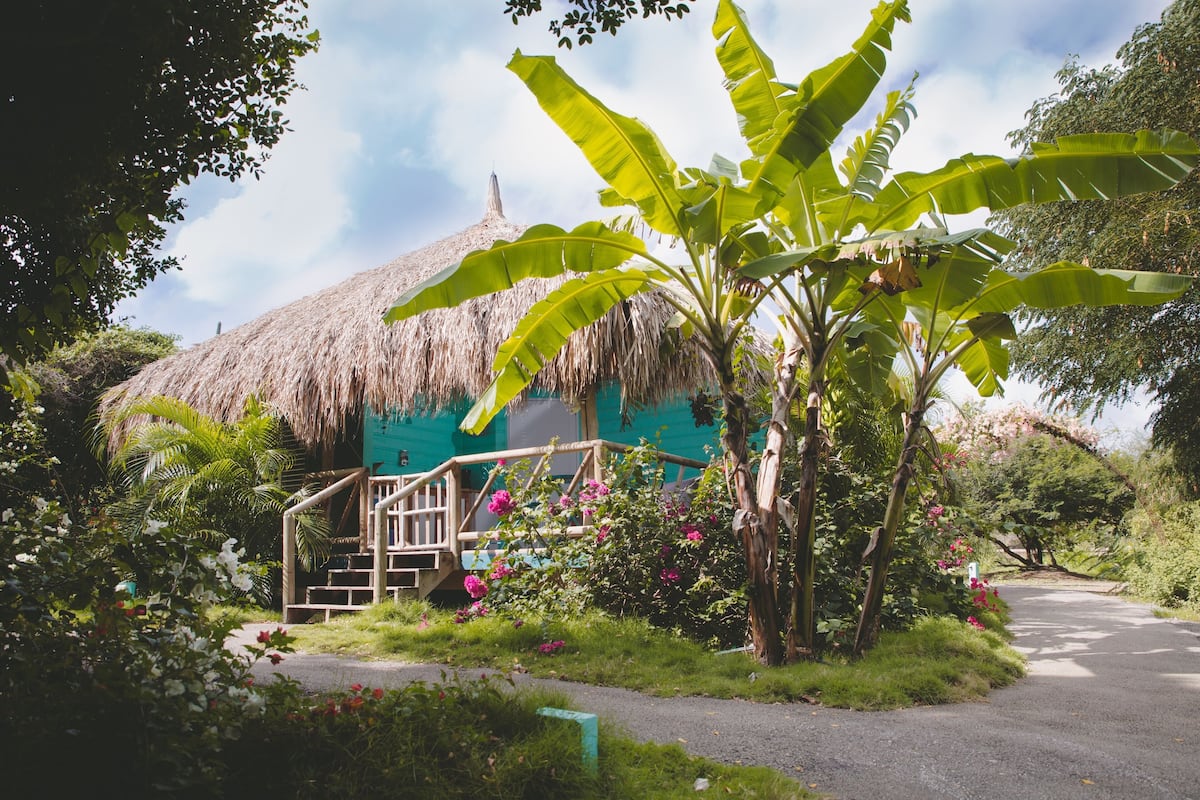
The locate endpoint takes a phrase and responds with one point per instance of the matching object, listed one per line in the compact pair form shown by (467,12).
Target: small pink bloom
(669,575)
(356,687)
(264,637)
(974,623)
(501,503)
(695,536)
(377,694)
(275,658)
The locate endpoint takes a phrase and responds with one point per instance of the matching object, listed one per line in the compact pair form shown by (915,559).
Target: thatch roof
(319,360)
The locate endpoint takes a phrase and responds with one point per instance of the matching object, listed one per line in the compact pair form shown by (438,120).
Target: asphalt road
(1110,710)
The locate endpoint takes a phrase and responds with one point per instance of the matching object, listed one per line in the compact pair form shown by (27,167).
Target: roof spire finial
(494,208)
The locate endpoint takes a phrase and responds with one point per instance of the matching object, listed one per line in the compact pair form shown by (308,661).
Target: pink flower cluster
(499,571)
(550,648)
(669,575)
(501,503)
(475,587)
(692,532)
(476,609)
(981,599)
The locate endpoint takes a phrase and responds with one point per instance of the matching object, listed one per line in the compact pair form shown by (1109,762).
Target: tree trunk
(802,628)
(759,541)
(880,548)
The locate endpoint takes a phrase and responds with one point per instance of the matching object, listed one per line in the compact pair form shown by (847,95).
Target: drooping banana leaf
(623,151)
(1065,283)
(543,251)
(545,329)
(1081,167)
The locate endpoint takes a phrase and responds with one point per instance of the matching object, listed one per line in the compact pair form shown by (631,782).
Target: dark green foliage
(462,739)
(108,108)
(583,16)
(72,378)
(135,695)
(1089,357)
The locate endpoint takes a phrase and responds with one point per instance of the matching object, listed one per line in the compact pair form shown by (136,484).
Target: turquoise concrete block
(589,733)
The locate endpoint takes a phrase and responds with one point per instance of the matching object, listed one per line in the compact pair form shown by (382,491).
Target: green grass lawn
(940,660)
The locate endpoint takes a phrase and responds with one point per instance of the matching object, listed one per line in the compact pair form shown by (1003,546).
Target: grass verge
(940,660)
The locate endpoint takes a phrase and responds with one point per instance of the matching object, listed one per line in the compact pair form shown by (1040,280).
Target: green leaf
(546,328)
(622,150)
(749,73)
(1081,167)
(776,263)
(543,251)
(825,102)
(1066,284)
(868,160)
(984,361)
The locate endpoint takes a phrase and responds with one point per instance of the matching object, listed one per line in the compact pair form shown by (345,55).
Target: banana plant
(719,216)
(959,316)
(781,233)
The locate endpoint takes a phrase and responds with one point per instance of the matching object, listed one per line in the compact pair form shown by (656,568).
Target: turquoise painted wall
(430,439)
(671,422)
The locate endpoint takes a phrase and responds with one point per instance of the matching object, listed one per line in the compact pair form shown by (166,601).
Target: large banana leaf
(1082,167)
(824,102)
(749,73)
(623,151)
(543,251)
(545,329)
(984,361)
(1066,284)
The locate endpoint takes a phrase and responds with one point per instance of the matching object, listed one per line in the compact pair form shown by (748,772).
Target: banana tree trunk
(880,548)
(802,628)
(759,541)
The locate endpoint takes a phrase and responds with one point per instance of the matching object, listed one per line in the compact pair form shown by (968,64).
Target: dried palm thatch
(321,359)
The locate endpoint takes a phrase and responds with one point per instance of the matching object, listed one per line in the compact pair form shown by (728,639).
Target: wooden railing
(343,479)
(449,525)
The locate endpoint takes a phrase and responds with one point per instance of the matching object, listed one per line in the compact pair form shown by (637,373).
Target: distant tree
(106,108)
(1036,476)
(1092,356)
(71,378)
(584,15)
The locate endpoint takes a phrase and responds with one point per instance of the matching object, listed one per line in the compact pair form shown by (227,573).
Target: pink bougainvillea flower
(500,462)
(275,658)
(518,623)
(974,623)
(264,637)
(664,551)
(548,648)
(356,687)
(377,694)
(669,575)
(695,536)
(475,587)
(501,503)
(602,534)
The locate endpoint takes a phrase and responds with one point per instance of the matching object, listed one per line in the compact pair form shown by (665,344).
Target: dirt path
(1110,709)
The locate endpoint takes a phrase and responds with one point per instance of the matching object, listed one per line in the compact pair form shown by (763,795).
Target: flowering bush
(667,557)
(90,673)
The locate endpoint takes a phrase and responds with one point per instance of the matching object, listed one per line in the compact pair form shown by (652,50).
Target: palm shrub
(215,480)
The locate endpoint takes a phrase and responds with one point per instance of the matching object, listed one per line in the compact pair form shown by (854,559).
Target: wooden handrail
(347,477)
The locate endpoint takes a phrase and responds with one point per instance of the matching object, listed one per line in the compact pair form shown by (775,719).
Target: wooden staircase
(411,575)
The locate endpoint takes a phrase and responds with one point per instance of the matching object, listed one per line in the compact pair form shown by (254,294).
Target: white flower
(154,526)
(7,515)
(25,558)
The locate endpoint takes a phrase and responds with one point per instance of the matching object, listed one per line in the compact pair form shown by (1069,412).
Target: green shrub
(1166,561)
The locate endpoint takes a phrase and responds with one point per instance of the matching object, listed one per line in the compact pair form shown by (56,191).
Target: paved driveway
(1110,709)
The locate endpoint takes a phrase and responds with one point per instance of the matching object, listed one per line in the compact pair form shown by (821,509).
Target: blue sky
(408,108)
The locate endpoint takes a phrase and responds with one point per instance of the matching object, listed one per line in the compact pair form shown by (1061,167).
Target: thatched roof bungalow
(338,375)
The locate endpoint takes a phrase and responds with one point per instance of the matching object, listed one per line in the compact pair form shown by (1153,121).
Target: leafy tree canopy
(105,109)
(1091,356)
(583,16)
